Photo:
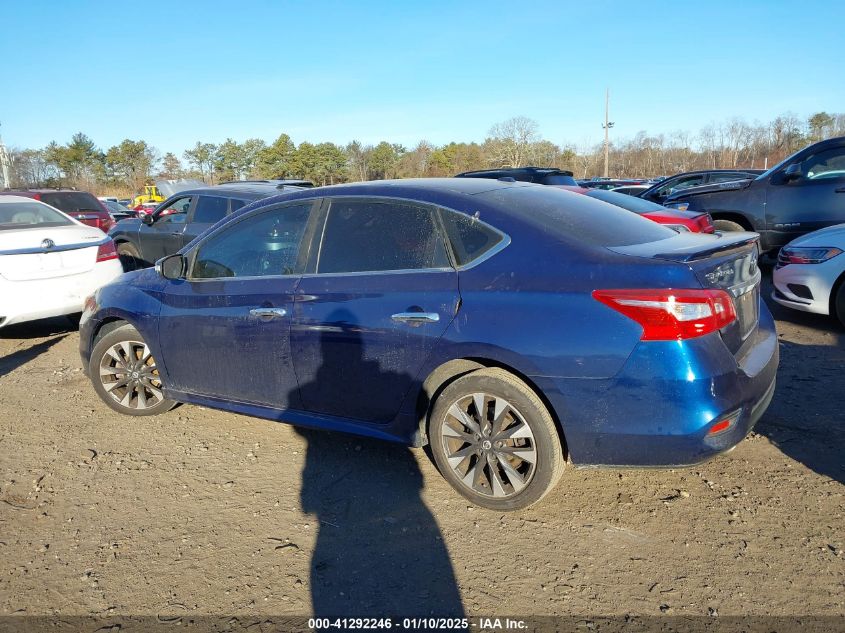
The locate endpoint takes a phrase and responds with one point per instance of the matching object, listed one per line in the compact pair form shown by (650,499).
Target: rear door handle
(266,314)
(840,190)
(416,317)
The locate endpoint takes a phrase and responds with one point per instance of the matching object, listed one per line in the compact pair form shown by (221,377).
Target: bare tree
(509,141)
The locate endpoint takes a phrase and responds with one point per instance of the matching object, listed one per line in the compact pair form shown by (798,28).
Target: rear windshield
(72,201)
(637,205)
(559,179)
(29,215)
(577,216)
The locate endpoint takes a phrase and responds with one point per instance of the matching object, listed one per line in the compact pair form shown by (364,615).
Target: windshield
(116,207)
(637,205)
(771,170)
(575,215)
(30,215)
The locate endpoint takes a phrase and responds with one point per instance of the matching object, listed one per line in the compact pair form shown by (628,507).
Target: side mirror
(793,172)
(172,266)
(148,219)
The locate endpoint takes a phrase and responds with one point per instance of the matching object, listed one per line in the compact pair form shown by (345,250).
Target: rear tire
(508,455)
(125,375)
(727,225)
(129,257)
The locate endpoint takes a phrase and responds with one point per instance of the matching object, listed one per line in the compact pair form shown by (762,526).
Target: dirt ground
(203,512)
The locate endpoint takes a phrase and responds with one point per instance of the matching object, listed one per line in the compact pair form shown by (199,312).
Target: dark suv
(183,216)
(538,175)
(804,193)
(79,205)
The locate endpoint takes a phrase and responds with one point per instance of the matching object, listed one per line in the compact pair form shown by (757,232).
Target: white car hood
(17,239)
(829,236)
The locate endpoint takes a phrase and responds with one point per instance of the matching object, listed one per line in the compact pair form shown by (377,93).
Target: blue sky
(172,73)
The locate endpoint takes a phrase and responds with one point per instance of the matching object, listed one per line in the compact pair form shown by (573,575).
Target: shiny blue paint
(209,337)
(352,359)
(340,362)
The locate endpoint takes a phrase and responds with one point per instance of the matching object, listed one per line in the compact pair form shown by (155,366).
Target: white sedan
(49,262)
(810,273)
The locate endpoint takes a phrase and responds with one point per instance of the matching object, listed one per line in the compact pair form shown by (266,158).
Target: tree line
(126,167)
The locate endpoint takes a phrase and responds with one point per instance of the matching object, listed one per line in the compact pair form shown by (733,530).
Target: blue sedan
(510,326)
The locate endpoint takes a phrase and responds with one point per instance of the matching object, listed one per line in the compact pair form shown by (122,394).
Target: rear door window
(470,238)
(372,236)
(210,209)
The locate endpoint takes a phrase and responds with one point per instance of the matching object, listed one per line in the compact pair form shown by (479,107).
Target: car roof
(9,198)
(251,190)
(515,170)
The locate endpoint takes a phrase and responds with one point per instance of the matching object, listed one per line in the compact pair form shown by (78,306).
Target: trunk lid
(27,254)
(726,261)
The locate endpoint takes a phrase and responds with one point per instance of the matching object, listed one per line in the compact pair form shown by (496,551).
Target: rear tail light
(668,315)
(106,251)
(706,223)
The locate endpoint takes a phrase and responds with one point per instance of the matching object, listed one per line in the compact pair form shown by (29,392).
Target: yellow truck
(151,194)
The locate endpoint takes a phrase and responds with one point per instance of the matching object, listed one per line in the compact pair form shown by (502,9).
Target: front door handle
(266,314)
(416,317)
(840,190)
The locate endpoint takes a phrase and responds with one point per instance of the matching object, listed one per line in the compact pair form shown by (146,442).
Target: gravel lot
(203,512)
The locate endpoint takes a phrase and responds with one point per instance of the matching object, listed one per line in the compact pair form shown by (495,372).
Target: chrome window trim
(503,243)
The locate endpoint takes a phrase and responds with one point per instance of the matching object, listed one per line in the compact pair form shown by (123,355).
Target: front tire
(839,304)
(727,225)
(494,440)
(125,375)
(129,257)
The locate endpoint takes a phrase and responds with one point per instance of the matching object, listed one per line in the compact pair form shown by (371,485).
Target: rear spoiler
(688,247)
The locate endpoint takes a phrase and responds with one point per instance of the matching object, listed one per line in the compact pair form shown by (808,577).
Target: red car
(692,221)
(79,205)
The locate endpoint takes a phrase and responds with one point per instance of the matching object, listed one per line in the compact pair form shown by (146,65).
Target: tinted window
(29,215)
(827,164)
(236,204)
(469,237)
(371,236)
(175,212)
(72,201)
(210,210)
(637,205)
(729,177)
(577,216)
(257,246)
(680,183)
(558,179)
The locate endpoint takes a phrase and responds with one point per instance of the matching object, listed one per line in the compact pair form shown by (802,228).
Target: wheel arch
(837,285)
(446,373)
(107,325)
(733,216)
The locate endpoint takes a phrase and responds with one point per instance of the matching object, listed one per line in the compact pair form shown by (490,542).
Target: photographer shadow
(379,551)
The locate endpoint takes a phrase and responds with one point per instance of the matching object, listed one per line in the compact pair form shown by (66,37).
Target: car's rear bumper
(42,298)
(658,411)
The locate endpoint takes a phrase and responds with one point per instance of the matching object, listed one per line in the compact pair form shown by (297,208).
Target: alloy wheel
(489,445)
(129,375)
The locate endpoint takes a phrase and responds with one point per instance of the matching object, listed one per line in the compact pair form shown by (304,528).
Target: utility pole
(607,125)
(5,164)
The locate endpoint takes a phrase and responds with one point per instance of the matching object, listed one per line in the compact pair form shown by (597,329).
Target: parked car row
(508,318)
